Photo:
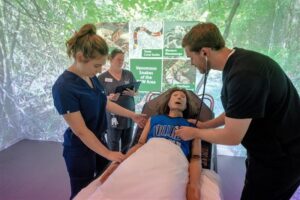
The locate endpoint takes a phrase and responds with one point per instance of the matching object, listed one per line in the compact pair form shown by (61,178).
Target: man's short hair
(204,34)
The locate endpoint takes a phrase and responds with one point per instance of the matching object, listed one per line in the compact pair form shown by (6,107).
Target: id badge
(114,121)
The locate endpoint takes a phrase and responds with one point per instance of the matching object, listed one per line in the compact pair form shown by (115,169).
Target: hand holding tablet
(133,86)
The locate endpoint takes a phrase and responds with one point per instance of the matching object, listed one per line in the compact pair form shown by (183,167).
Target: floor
(35,170)
(232,173)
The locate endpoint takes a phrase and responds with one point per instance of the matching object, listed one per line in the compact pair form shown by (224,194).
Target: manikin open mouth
(178,102)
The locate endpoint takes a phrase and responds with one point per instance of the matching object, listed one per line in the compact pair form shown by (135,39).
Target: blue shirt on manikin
(164,126)
(71,94)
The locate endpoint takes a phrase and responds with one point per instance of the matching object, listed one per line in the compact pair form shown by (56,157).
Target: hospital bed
(209,162)
(209,151)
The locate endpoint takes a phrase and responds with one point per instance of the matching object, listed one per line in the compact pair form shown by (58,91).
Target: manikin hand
(193,191)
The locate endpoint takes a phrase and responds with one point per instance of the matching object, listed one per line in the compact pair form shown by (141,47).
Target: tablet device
(131,85)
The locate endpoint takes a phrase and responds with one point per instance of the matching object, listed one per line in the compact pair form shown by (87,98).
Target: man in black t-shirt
(262,111)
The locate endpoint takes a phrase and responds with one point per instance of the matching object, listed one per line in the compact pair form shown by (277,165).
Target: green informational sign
(175,52)
(152,53)
(149,72)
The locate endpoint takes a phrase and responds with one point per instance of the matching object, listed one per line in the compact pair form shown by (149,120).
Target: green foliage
(33,35)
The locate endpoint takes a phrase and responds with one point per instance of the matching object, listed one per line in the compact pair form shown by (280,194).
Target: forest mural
(33,53)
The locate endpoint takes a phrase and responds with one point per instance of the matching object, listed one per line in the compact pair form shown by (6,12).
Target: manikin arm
(114,165)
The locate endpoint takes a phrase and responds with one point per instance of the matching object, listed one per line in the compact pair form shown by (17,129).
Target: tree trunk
(8,102)
(230,18)
(272,40)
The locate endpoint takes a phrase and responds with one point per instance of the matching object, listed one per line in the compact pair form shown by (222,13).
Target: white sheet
(158,170)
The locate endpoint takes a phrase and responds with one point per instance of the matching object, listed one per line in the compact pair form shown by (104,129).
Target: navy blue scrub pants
(83,166)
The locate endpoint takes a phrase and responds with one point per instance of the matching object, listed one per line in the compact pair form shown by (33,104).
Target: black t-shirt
(254,86)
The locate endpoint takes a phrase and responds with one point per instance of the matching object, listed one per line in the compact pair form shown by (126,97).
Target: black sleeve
(247,95)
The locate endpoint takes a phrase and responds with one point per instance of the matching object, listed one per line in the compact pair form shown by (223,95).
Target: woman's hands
(115,156)
(128,92)
(140,119)
(115,96)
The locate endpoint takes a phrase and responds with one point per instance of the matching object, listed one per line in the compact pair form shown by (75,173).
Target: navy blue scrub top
(71,94)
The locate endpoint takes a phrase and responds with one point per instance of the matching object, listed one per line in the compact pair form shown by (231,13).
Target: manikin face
(118,60)
(177,101)
(90,67)
(197,60)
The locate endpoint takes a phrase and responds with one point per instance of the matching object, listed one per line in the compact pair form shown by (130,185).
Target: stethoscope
(203,91)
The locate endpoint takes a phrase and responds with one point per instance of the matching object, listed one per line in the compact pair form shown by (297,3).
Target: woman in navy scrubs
(80,98)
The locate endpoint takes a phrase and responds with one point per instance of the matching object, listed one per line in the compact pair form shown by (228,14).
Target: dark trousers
(115,135)
(83,166)
(274,183)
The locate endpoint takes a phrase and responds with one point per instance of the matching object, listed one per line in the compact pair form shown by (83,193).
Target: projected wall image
(33,53)
(156,56)
(178,72)
(144,38)
(117,36)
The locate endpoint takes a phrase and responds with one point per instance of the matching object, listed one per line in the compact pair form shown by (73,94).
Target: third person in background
(119,128)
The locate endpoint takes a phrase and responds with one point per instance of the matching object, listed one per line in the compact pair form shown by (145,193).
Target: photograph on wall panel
(173,34)
(178,72)
(145,39)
